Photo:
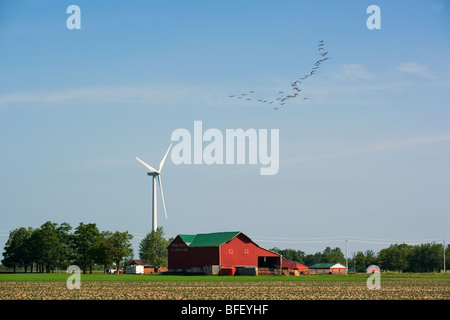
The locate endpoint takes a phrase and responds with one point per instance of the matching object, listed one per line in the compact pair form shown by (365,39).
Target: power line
(284,241)
(397,240)
(342,239)
(379,242)
(294,238)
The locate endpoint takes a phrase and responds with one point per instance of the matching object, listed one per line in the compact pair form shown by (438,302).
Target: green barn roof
(188,238)
(208,239)
(322,265)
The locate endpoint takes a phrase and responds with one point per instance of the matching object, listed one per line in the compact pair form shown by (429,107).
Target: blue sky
(366,156)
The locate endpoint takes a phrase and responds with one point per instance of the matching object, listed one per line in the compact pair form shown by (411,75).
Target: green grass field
(33,277)
(99,286)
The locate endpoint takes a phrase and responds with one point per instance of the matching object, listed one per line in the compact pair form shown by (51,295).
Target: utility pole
(346,254)
(443,242)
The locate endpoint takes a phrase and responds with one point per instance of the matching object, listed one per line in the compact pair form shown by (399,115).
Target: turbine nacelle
(154,174)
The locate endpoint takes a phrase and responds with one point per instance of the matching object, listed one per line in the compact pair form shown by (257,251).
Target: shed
(140,264)
(333,267)
(135,269)
(373,269)
(224,249)
(292,265)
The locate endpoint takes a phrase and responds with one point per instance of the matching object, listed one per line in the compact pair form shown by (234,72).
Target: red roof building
(224,249)
(373,269)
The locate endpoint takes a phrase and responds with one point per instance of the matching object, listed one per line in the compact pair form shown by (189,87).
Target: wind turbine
(156,174)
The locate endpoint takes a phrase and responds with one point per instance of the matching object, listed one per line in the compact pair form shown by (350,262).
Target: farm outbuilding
(373,269)
(335,268)
(139,266)
(232,252)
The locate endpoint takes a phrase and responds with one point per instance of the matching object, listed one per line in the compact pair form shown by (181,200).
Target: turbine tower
(156,174)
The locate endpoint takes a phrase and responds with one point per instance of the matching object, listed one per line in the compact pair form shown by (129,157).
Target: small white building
(135,269)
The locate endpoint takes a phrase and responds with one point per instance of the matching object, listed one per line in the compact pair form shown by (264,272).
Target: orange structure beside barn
(224,249)
(147,268)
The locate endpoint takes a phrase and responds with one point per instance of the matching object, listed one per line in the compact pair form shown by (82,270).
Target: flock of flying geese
(281,100)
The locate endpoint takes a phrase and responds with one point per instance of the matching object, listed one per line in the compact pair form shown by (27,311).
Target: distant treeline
(328,255)
(53,246)
(426,257)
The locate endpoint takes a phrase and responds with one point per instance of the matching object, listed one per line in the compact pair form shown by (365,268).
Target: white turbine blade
(164,159)
(162,194)
(148,166)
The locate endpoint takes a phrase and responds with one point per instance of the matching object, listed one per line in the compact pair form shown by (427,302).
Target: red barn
(224,249)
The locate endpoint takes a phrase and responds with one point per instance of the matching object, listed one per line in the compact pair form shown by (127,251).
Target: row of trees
(328,255)
(426,257)
(53,246)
